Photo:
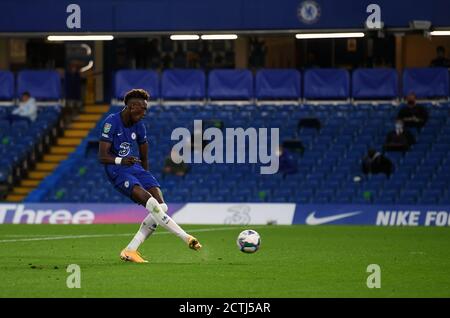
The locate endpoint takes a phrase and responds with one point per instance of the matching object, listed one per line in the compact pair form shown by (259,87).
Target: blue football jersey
(124,140)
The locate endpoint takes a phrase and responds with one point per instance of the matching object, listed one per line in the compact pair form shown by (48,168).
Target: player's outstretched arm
(105,157)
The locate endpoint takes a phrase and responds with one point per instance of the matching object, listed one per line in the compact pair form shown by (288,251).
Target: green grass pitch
(294,261)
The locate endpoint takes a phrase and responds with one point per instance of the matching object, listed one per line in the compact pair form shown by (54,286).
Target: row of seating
(331,160)
(269,84)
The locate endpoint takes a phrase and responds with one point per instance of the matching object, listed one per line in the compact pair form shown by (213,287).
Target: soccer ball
(248,241)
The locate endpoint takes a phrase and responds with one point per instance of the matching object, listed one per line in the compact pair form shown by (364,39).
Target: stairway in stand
(64,146)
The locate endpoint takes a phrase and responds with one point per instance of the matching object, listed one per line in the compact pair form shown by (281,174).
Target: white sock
(164,220)
(148,226)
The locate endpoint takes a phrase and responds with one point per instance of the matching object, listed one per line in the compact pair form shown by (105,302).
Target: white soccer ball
(248,241)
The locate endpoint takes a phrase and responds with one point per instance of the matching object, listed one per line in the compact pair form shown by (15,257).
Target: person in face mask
(413,115)
(400,139)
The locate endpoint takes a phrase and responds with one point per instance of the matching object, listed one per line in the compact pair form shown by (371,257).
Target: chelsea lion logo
(308,12)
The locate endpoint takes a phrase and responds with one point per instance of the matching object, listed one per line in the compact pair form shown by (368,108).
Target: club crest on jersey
(127,184)
(133,136)
(125,148)
(107,128)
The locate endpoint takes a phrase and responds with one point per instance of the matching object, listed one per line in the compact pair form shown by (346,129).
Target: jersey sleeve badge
(107,128)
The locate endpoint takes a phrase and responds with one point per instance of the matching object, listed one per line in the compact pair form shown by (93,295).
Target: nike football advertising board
(230,213)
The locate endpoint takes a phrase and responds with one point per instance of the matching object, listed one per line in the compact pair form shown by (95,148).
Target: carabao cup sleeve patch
(107,128)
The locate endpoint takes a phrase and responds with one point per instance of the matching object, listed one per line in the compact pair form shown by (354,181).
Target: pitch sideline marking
(109,235)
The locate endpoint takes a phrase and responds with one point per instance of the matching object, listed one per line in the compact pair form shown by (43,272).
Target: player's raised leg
(130,253)
(158,212)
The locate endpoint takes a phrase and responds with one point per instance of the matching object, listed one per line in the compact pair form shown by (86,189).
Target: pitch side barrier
(230,213)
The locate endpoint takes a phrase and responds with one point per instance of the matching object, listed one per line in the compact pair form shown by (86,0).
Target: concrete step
(68,141)
(76,133)
(15,197)
(88,117)
(61,150)
(46,166)
(82,125)
(54,158)
(22,190)
(38,174)
(96,109)
(29,183)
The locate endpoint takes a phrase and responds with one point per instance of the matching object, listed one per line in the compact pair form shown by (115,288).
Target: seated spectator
(287,162)
(177,169)
(413,115)
(399,139)
(375,162)
(440,60)
(27,109)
